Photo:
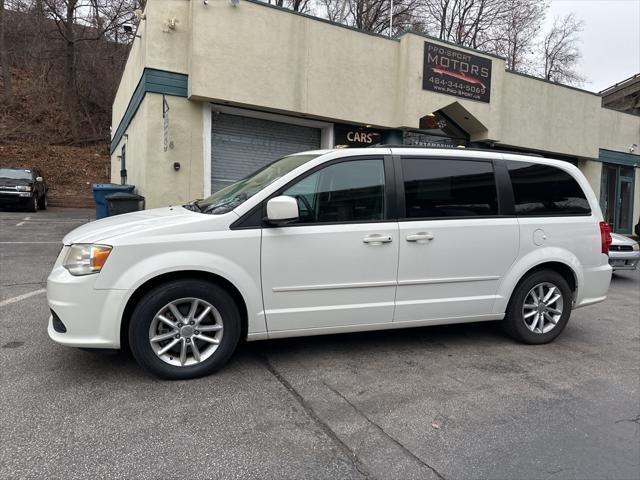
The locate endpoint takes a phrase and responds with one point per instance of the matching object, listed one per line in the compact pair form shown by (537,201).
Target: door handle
(420,237)
(377,239)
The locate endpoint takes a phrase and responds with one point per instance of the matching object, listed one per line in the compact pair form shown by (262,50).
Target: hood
(108,229)
(622,240)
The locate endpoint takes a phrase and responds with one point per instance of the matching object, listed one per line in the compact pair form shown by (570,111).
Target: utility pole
(391,19)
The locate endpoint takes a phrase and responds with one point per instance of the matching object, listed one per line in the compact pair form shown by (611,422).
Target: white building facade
(212,91)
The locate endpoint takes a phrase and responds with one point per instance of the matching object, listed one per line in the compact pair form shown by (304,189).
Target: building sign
(454,72)
(351,136)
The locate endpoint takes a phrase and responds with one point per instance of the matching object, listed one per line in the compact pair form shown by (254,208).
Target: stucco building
(212,91)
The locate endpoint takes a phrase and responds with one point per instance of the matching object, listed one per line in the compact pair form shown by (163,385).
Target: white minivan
(337,241)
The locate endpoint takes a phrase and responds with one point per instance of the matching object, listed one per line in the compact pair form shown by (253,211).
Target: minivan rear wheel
(539,308)
(184,329)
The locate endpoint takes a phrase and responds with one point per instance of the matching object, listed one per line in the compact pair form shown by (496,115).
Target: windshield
(15,173)
(230,197)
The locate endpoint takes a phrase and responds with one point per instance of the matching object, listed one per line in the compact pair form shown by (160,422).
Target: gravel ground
(441,402)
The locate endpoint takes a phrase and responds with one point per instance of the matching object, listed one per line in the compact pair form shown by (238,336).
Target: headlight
(23,188)
(85,259)
(636,247)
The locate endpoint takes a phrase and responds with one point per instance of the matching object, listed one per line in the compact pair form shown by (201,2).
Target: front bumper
(624,260)
(91,317)
(14,197)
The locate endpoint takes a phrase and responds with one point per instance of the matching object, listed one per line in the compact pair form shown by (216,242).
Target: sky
(610,39)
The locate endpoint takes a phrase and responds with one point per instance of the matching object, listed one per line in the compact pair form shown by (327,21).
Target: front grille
(58,326)
(621,248)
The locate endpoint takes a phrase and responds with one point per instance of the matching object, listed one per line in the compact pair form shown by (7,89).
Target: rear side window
(441,188)
(545,190)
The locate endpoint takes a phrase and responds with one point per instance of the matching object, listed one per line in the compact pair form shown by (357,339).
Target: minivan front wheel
(184,329)
(539,308)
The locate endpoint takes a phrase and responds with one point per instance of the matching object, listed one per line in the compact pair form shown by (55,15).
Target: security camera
(128,28)
(633,147)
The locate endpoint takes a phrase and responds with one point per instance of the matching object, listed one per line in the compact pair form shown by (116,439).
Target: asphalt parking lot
(447,402)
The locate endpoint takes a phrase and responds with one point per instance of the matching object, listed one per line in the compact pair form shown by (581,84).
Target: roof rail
(472,149)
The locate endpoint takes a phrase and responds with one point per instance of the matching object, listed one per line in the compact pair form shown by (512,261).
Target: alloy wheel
(542,308)
(186,332)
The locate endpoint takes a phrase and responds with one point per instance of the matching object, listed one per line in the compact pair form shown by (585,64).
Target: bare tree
(302,6)
(81,21)
(468,23)
(4,60)
(514,37)
(373,15)
(561,51)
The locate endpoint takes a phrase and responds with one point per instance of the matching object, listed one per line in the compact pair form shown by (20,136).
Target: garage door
(241,145)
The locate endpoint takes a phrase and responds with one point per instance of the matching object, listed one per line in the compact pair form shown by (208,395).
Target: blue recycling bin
(100,193)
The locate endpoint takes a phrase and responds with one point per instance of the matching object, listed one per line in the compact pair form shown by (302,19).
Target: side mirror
(282,210)
(38,179)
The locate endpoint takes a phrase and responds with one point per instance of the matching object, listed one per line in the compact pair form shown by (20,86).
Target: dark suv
(23,187)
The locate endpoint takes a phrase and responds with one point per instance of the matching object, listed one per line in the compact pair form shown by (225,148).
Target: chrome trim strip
(445,300)
(333,286)
(426,281)
(327,308)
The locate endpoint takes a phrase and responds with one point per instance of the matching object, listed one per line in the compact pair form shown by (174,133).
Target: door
(337,265)
(242,145)
(617,197)
(454,246)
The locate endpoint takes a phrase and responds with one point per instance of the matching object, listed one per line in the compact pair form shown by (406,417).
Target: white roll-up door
(242,145)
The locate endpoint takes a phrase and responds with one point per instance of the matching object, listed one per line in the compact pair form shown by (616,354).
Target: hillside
(40,126)
(28,133)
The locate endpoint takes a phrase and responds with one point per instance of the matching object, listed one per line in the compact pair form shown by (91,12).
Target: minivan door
(455,247)
(336,265)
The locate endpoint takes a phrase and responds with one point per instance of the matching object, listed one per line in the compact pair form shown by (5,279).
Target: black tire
(154,301)
(32,204)
(514,323)
(42,202)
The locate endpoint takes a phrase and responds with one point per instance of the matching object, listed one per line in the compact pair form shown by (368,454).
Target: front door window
(343,192)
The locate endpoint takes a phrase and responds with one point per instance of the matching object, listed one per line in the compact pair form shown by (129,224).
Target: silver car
(624,253)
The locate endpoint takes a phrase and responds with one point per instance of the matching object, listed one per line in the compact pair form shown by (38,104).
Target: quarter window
(351,191)
(436,188)
(545,190)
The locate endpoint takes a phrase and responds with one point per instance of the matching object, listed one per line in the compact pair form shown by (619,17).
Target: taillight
(605,237)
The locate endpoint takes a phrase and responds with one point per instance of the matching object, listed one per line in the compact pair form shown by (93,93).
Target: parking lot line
(11,243)
(24,296)
(46,221)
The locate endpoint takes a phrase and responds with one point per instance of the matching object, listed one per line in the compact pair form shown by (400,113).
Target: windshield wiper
(229,204)
(193,206)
